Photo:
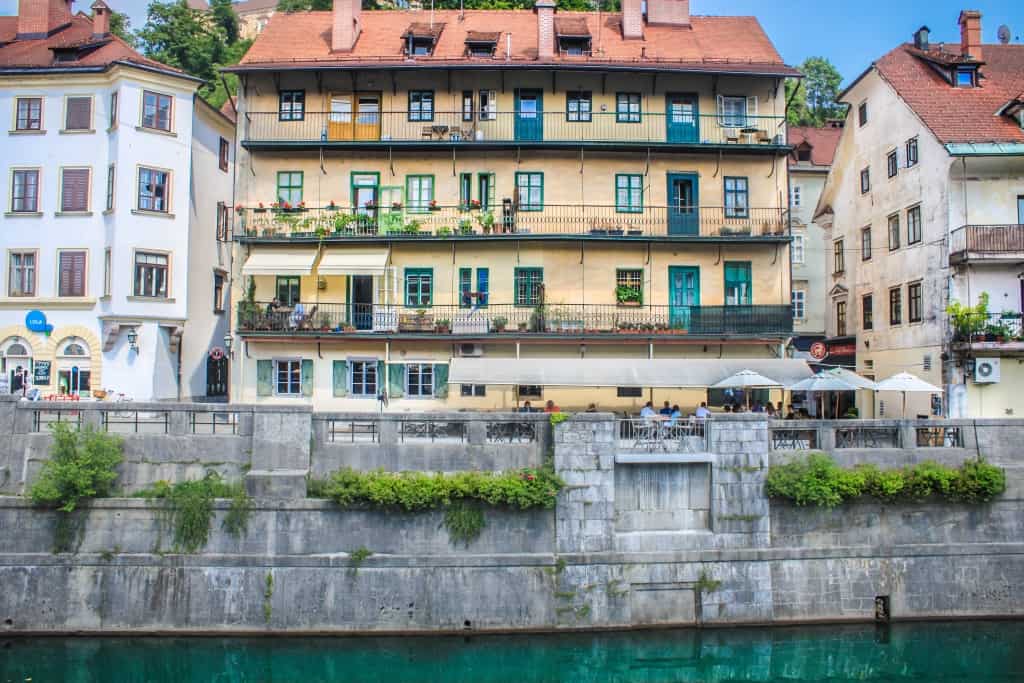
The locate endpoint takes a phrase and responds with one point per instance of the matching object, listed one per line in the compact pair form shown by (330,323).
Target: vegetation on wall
(816,479)
(464,522)
(189,505)
(82,465)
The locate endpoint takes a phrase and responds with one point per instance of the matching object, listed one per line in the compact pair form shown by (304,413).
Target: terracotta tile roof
(823,142)
(716,44)
(571,26)
(228,111)
(960,114)
(39,54)
(482,36)
(422,29)
(255,5)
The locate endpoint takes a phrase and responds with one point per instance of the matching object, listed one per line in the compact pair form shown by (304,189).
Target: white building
(118,176)
(925,202)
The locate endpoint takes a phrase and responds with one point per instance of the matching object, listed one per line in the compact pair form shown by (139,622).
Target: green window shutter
(380,377)
(264,378)
(307,377)
(396,380)
(340,378)
(441,380)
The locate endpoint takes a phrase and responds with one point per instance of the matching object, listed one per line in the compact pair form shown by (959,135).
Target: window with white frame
(795,194)
(799,242)
(419,379)
(288,377)
(799,299)
(153,189)
(156,111)
(151,274)
(364,378)
(21,273)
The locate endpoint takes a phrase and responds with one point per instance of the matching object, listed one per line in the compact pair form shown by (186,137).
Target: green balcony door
(681,118)
(683,200)
(529,115)
(683,294)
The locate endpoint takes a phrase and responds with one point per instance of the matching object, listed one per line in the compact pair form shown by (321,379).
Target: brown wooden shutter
(72,273)
(79,115)
(74,194)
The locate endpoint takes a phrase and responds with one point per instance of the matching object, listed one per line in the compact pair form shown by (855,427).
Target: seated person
(526,408)
(727,408)
(298,315)
(647,412)
(790,415)
(770,410)
(273,306)
(666,410)
(592,408)
(550,407)
(703,412)
(674,416)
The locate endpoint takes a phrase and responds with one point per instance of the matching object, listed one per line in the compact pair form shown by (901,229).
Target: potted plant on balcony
(444,231)
(443,326)
(968,321)
(433,205)
(465,227)
(474,204)
(996,332)
(348,328)
(627,327)
(522,327)
(260,208)
(324,320)
(499,323)
(486,221)
(627,296)
(396,206)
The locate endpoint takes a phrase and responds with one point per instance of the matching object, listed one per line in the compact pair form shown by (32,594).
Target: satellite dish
(1004,34)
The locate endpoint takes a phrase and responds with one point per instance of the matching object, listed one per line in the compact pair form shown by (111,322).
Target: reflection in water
(980,652)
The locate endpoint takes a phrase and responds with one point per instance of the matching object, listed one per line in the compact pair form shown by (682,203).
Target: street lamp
(133,340)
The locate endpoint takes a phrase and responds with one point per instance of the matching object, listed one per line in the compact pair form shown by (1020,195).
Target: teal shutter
(307,377)
(441,380)
(396,380)
(264,378)
(340,378)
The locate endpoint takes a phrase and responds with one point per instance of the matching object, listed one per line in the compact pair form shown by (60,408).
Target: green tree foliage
(815,100)
(224,16)
(82,465)
(121,26)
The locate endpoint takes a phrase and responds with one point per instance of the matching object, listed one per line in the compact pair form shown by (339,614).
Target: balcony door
(529,115)
(361,301)
(681,118)
(354,117)
(683,294)
(683,200)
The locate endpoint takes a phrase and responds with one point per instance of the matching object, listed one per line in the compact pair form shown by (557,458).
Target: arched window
(16,349)
(16,363)
(73,367)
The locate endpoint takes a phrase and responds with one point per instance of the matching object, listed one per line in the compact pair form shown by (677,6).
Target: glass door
(340,123)
(529,115)
(684,295)
(681,118)
(367,117)
(683,210)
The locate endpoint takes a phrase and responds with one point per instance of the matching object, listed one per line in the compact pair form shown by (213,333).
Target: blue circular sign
(36,322)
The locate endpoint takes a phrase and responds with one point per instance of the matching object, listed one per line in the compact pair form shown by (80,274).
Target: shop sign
(41,372)
(36,322)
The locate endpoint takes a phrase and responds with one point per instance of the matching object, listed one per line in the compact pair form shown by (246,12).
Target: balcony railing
(987,241)
(555,319)
(549,220)
(449,128)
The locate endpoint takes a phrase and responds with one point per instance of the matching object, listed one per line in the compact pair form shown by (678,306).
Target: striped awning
(280,262)
(353,262)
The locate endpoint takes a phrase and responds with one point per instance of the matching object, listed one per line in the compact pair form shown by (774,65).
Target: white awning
(353,262)
(619,372)
(280,262)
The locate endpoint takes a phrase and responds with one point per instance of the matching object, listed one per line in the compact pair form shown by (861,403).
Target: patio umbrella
(747,379)
(905,383)
(822,382)
(853,378)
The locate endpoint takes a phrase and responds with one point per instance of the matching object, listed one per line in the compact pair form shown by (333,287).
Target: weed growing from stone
(189,505)
(82,465)
(464,522)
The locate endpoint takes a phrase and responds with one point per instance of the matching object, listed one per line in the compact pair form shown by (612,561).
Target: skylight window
(966,77)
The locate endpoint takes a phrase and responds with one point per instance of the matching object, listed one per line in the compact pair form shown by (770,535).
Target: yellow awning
(353,262)
(280,262)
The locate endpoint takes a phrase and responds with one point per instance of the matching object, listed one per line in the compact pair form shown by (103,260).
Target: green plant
(358,556)
(464,522)
(189,505)
(968,320)
(625,294)
(486,221)
(706,584)
(444,232)
(268,594)
(82,465)
(559,418)
(500,322)
(465,227)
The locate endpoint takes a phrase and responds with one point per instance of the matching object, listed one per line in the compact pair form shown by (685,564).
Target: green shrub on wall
(816,479)
(189,505)
(83,465)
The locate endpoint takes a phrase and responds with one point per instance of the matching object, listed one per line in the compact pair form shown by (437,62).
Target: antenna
(1004,34)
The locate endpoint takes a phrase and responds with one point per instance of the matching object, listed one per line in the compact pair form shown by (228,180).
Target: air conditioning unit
(986,371)
(471,350)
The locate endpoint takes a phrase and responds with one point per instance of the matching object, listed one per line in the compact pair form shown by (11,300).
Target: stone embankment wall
(637,538)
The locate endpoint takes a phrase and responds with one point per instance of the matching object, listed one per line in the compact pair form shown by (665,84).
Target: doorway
(681,116)
(683,200)
(529,115)
(684,295)
(361,288)
(216,376)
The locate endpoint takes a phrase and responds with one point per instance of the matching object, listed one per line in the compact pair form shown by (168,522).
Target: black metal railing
(990,240)
(569,319)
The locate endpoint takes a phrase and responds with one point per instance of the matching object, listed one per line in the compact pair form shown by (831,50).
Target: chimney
(668,12)
(921,38)
(545,10)
(39,18)
(632,20)
(970,34)
(345,25)
(100,19)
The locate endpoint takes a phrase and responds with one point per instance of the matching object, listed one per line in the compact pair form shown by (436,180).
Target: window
(965,77)
(223,222)
(113,110)
(867,312)
(795,195)
(71,273)
(419,192)
(151,274)
(627,107)
(153,187)
(629,193)
(74,190)
(22,274)
(530,391)
(865,180)
(291,105)
(895,306)
(423,46)
(862,113)
(419,379)
(840,318)
(911,152)
(29,114)
(737,283)
(288,290)
(469,297)
(737,196)
(107,271)
(485,187)
(364,378)
(480,48)
(110,187)
(914,302)
(465,190)
(419,286)
(733,111)
(488,105)
(799,300)
(629,392)
(914,225)
(25,191)
(289,188)
(465,287)
(156,111)
(483,286)
(528,285)
(473,390)
(838,258)
(224,154)
(78,113)
(578,106)
(530,191)
(799,249)
(629,286)
(892,163)
(467,105)
(218,292)
(574,46)
(803,154)
(289,377)
(894,232)
(421,105)
(865,244)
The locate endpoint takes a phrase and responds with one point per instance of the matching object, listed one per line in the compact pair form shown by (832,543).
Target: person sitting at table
(666,410)
(298,315)
(758,408)
(647,412)
(770,410)
(703,413)
(272,307)
(526,408)
(550,407)
(674,416)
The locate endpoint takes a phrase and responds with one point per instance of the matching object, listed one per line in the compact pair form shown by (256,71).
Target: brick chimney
(100,19)
(545,28)
(39,18)
(632,20)
(970,34)
(668,12)
(345,25)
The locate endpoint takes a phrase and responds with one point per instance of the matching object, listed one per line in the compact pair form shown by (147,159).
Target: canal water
(979,652)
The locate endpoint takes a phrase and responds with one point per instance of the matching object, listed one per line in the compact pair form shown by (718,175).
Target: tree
(224,16)
(303,5)
(121,26)
(184,38)
(816,100)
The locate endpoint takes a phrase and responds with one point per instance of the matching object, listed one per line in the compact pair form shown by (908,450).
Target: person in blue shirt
(647,412)
(666,410)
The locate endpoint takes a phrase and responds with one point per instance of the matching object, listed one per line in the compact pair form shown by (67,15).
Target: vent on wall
(881,409)
(926,362)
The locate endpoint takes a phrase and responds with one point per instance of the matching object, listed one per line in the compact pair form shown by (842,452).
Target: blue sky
(851,34)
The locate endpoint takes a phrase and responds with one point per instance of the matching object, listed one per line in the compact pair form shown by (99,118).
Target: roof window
(421,38)
(966,77)
(481,43)
(573,36)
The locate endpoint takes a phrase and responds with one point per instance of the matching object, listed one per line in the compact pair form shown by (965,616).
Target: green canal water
(979,652)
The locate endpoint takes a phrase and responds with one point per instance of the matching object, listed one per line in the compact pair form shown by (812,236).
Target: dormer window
(574,46)
(573,36)
(419,39)
(481,44)
(966,77)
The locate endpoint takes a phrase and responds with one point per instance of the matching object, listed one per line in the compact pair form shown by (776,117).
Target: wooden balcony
(987,243)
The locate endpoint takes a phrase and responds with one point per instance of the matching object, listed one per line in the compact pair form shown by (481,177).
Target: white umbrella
(905,383)
(852,378)
(747,379)
(822,382)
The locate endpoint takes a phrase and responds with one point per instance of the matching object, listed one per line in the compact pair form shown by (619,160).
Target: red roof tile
(823,142)
(722,44)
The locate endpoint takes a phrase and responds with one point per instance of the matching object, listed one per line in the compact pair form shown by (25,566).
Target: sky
(850,34)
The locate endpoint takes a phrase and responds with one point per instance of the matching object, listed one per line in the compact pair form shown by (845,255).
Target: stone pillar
(178,422)
(585,460)
(738,500)
(280,451)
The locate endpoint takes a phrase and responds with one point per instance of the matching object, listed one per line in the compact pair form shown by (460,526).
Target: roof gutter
(985,149)
(102,68)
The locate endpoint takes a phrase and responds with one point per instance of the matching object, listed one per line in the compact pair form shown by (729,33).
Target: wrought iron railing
(643,435)
(991,240)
